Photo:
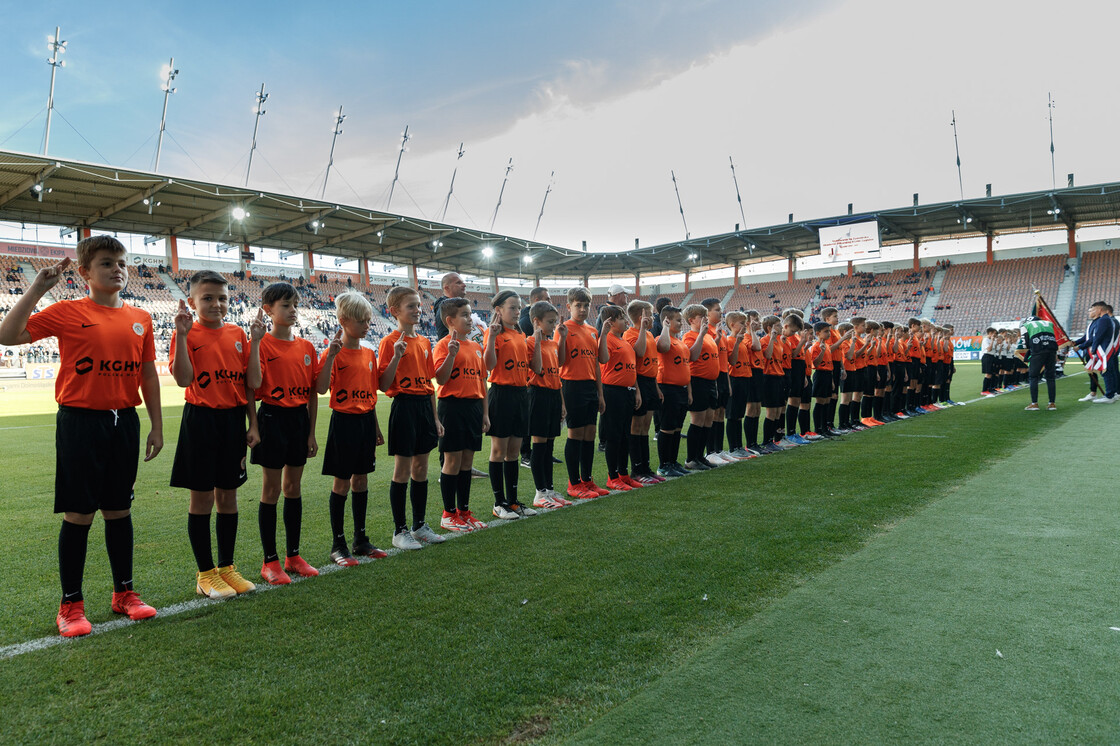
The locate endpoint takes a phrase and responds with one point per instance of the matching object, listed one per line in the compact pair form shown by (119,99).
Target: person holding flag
(1043,335)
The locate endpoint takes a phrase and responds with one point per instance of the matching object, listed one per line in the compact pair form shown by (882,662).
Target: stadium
(945,577)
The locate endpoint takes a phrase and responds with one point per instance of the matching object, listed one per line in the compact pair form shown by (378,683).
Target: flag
(1042,311)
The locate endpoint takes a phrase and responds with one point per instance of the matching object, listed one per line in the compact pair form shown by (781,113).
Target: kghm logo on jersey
(203,379)
(83,366)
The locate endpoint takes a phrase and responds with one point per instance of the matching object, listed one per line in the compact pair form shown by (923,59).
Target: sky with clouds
(820,103)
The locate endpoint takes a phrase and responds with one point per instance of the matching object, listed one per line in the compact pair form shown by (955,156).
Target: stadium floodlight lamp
(314,226)
(149,240)
(37,191)
(527,259)
(239,213)
(692,257)
(487,251)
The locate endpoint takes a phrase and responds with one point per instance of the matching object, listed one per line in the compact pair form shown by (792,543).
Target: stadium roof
(76,195)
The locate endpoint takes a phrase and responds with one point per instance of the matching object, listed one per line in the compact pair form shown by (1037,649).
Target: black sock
(586,459)
(715,437)
(843,409)
(418,496)
(72,541)
(463,490)
(398,494)
(198,532)
(571,460)
(623,454)
(750,431)
(448,485)
(694,441)
(865,407)
(637,459)
(509,469)
(612,458)
(818,418)
(734,434)
(767,430)
(497,485)
(675,446)
(118,543)
(663,458)
(337,507)
(225,528)
(803,420)
(546,462)
(526,448)
(791,419)
(540,460)
(358,503)
(266,522)
(293,524)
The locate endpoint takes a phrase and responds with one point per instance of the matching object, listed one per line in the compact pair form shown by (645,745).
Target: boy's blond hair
(635,309)
(579,295)
(692,311)
(735,317)
(769,321)
(397,295)
(353,306)
(844,327)
(88,247)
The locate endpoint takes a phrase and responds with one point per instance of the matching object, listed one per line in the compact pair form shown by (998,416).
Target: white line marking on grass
(904,435)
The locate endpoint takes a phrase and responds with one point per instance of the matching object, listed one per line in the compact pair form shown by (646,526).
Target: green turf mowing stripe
(899,641)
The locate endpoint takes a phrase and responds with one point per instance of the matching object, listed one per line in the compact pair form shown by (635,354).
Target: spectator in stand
(526,326)
(453,287)
(616,296)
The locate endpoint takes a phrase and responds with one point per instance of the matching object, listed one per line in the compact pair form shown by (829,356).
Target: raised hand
(645,324)
(563,330)
(48,277)
(183,318)
(257,327)
(453,344)
(399,348)
(496,325)
(336,344)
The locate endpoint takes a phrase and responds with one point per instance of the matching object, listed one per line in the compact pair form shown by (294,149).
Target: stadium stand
(889,296)
(975,295)
(1100,280)
(768,297)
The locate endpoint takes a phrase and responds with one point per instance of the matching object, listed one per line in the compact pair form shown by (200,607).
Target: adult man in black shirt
(453,287)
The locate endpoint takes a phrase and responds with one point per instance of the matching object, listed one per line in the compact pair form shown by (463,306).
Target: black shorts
(754,386)
(210,453)
(545,406)
(462,424)
(987,363)
(737,401)
(703,394)
(614,425)
(851,382)
(651,402)
(674,407)
(796,376)
(915,371)
(723,390)
(284,432)
(898,374)
(581,400)
(351,444)
(837,373)
(412,426)
(773,391)
(929,373)
(509,411)
(940,374)
(883,375)
(870,379)
(96,453)
(822,383)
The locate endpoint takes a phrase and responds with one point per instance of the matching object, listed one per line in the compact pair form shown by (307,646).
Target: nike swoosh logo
(343,367)
(269,360)
(87,326)
(196,349)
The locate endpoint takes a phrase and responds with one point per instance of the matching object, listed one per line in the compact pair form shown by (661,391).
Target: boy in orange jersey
(618,364)
(883,411)
(739,345)
(349,370)
(674,381)
(951,369)
(461,375)
(507,358)
(805,397)
(546,406)
(916,350)
(405,371)
(754,385)
(286,420)
(820,358)
(714,450)
(773,382)
(900,371)
(220,368)
(581,387)
(641,321)
(107,352)
(870,374)
(849,383)
(703,357)
(831,316)
(796,340)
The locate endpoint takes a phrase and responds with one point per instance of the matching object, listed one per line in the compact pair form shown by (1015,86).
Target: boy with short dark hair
(219,368)
(582,389)
(739,343)
(618,364)
(286,421)
(674,382)
(546,405)
(704,367)
(405,371)
(349,370)
(641,320)
(107,353)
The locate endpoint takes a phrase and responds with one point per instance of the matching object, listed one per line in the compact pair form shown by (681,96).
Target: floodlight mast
(261,98)
(57,47)
(543,203)
(405,137)
(447,201)
(956,144)
(738,197)
(330,162)
(167,91)
(680,205)
(509,167)
(1053,171)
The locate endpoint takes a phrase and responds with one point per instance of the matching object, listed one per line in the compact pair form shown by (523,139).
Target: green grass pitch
(854,590)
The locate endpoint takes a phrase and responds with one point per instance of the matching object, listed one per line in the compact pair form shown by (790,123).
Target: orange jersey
(353,380)
(773,366)
(814,353)
(903,353)
(621,368)
(861,353)
(415,370)
(848,364)
(673,368)
(724,360)
(647,365)
(834,337)
(582,352)
(549,377)
(512,366)
(288,372)
(742,367)
(219,358)
(758,360)
(707,365)
(468,377)
(915,349)
(792,344)
(102,351)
